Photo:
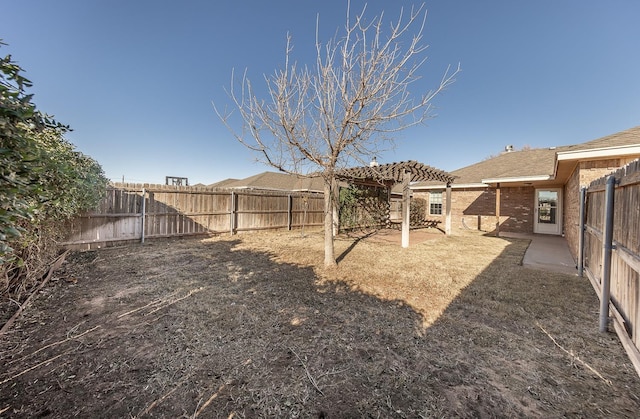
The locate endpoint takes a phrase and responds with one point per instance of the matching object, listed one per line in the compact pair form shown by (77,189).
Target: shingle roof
(515,164)
(534,162)
(277,181)
(619,139)
(222,183)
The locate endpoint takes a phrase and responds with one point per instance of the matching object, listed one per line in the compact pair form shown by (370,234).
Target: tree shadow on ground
(186,328)
(524,342)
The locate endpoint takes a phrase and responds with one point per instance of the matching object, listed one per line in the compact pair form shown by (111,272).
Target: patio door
(548,211)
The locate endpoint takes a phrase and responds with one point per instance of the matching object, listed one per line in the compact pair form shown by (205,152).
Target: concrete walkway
(547,252)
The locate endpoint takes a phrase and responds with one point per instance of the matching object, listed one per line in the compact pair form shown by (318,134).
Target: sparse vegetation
(255,326)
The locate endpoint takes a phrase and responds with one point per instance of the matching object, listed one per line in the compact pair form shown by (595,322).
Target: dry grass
(253,326)
(426,276)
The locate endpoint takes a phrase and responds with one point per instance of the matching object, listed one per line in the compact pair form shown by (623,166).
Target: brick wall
(518,205)
(585,173)
(592,170)
(571,206)
(475,209)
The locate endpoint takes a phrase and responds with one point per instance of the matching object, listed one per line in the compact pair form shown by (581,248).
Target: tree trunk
(329,253)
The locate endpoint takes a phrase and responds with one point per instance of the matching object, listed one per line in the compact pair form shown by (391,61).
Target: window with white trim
(435,203)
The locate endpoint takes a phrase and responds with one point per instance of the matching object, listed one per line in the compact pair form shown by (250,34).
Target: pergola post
(447,220)
(387,221)
(406,207)
(498,210)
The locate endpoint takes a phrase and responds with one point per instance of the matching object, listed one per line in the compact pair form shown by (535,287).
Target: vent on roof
(508,148)
(374,163)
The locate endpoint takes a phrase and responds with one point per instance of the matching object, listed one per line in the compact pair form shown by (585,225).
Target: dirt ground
(253,326)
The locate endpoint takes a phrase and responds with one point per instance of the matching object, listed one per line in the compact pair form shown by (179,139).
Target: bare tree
(343,109)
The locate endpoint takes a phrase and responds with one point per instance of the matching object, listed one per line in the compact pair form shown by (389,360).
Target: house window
(435,203)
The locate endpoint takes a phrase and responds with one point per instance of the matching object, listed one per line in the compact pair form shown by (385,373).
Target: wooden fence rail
(134,212)
(611,252)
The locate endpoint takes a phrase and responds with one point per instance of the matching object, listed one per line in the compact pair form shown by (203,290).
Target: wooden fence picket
(171,211)
(624,272)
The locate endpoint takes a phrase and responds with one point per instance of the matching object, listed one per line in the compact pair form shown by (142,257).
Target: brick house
(529,191)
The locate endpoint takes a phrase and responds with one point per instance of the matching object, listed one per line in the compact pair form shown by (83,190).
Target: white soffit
(599,152)
(453,186)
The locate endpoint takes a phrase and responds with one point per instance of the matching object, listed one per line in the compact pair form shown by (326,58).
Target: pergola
(403,172)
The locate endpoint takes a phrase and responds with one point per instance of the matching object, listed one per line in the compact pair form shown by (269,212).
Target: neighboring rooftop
(222,183)
(274,181)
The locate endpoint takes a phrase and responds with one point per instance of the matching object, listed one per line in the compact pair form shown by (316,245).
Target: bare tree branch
(345,108)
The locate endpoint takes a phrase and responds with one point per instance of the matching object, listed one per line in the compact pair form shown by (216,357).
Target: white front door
(548,211)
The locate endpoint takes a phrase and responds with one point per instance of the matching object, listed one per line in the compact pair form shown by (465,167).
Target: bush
(43,182)
(363,207)
(417,211)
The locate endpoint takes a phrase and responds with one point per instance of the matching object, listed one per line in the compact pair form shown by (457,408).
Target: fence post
(232,213)
(447,223)
(583,201)
(607,246)
(143,215)
(289,212)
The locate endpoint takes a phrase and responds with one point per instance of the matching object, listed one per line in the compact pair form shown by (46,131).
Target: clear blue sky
(135,79)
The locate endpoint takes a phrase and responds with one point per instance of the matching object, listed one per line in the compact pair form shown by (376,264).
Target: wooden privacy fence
(610,249)
(131,212)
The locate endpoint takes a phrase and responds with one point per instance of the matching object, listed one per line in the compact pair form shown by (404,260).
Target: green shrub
(417,211)
(43,182)
(363,207)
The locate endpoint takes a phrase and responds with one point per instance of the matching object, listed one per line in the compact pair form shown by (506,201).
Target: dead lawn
(252,326)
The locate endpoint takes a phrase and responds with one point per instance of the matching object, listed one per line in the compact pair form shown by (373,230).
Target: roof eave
(516,179)
(453,186)
(599,152)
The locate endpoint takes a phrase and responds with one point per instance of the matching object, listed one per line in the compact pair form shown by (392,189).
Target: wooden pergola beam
(395,172)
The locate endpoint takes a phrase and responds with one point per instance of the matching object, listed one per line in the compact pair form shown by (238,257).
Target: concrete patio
(547,252)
